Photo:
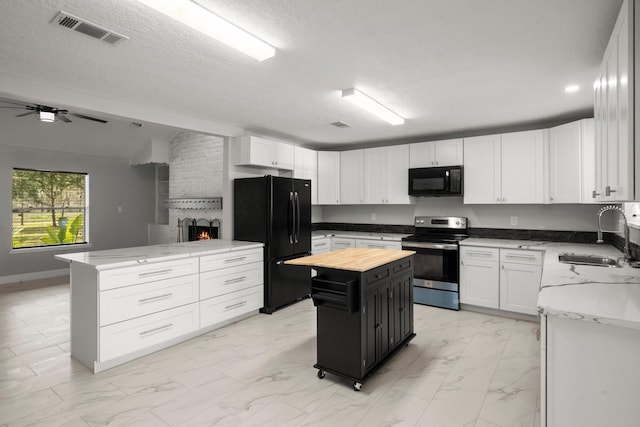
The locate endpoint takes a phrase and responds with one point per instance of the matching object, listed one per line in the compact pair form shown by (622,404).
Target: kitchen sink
(597,260)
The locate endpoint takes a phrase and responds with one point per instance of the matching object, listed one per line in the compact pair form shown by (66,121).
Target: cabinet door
(384,325)
(422,154)
(305,166)
(371,320)
(479,283)
(328,178)
(448,152)
(522,167)
(282,156)
(588,161)
(397,175)
(400,298)
(519,287)
(352,177)
(375,165)
(482,170)
(565,163)
(260,151)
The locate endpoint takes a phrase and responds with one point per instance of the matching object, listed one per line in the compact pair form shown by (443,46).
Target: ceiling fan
(48,114)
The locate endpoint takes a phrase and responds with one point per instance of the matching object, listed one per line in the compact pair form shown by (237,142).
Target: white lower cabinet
(120,314)
(504,279)
(480,276)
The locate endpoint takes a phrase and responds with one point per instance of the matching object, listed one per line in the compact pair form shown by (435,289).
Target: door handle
(297,217)
(291,225)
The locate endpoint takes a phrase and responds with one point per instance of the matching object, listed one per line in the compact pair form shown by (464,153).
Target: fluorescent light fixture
(199,18)
(372,106)
(572,88)
(46,116)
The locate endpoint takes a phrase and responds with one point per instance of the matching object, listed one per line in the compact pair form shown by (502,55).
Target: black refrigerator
(277,212)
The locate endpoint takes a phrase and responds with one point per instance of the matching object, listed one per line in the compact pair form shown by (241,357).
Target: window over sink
(49,208)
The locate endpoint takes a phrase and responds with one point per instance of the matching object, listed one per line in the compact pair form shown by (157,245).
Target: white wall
(533,217)
(112,183)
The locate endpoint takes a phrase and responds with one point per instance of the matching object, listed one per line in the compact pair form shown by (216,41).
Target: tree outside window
(49,208)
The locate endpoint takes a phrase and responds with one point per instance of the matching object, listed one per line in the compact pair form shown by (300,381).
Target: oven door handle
(430,245)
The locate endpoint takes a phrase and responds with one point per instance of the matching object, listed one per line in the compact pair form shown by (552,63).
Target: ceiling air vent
(341,124)
(83,26)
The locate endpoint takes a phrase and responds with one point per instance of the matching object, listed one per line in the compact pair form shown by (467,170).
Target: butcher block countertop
(352,259)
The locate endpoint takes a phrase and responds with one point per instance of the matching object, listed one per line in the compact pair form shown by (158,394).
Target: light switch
(514,220)
(119,209)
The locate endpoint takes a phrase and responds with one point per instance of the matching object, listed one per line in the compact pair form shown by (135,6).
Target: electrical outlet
(373,217)
(119,209)
(514,220)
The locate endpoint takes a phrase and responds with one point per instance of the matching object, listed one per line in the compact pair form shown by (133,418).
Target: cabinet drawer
(339,243)
(319,246)
(520,256)
(133,335)
(377,244)
(225,307)
(487,254)
(129,302)
(377,274)
(228,259)
(143,273)
(401,266)
(226,280)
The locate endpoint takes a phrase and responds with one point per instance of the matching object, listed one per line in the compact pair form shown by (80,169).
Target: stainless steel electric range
(436,262)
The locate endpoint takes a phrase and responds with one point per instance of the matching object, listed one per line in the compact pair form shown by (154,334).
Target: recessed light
(572,88)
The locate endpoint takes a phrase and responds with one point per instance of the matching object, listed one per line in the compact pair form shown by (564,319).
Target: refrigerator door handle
(297,217)
(293,218)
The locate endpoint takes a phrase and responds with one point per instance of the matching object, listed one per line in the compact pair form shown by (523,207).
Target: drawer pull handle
(236,305)
(487,254)
(158,329)
(531,257)
(242,258)
(320,244)
(155,273)
(143,300)
(234,280)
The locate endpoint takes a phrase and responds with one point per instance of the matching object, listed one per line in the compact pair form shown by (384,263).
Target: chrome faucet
(604,209)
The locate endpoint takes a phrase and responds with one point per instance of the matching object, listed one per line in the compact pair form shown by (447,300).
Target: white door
(519,287)
(479,283)
(328,177)
(564,163)
(352,177)
(422,154)
(397,174)
(448,152)
(375,164)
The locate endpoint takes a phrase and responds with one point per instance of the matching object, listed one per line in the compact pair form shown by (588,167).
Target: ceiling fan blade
(17,108)
(15,103)
(63,118)
(82,116)
(25,114)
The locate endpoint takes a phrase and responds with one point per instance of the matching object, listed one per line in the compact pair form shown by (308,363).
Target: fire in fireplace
(190,229)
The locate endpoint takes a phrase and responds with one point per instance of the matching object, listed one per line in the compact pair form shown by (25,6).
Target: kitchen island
(126,303)
(364,300)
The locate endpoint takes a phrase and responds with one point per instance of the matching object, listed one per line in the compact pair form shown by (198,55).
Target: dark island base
(358,382)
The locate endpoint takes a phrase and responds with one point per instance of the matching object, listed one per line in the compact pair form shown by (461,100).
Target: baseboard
(26,277)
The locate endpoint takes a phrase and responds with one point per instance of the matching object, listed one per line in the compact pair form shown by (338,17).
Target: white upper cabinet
(305,166)
(386,175)
(328,177)
(507,168)
(482,175)
(572,162)
(352,177)
(257,151)
(522,167)
(614,113)
(436,153)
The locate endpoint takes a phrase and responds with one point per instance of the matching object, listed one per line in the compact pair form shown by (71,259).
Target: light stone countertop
(596,294)
(392,237)
(124,257)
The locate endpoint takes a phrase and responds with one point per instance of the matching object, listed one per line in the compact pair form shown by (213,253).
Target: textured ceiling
(448,67)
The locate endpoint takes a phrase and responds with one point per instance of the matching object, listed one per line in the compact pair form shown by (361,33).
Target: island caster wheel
(357,386)
(321,373)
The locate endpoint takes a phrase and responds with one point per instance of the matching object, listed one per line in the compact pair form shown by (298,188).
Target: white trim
(25,277)
(64,248)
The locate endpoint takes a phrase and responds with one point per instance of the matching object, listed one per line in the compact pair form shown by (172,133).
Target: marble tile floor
(462,369)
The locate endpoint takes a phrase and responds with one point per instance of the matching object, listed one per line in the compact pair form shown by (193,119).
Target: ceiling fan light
(372,106)
(196,16)
(46,116)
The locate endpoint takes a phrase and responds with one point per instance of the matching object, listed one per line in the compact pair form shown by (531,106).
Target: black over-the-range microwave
(436,181)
